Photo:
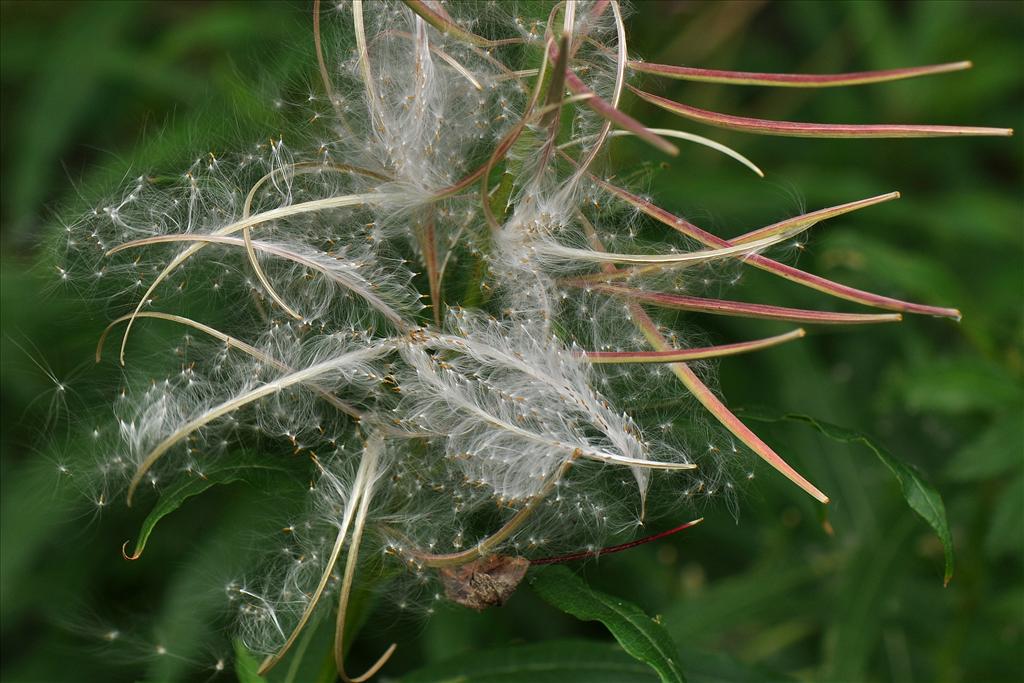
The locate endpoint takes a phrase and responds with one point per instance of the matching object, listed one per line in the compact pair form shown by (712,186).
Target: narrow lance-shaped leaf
(555,88)
(815,130)
(638,634)
(173,497)
(919,494)
(687,73)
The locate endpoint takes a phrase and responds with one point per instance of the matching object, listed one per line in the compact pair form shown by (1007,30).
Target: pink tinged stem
(610,113)
(725,416)
(616,548)
(795,80)
(617,117)
(788,272)
(681,355)
(550,120)
(427,239)
(621,57)
(740,309)
(443,23)
(503,147)
(849,293)
(815,130)
(596,10)
(701,392)
(441,11)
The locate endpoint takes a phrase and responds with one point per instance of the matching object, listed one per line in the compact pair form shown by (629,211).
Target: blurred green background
(92,88)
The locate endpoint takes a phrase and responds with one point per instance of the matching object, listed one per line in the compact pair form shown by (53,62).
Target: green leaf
(246,666)
(638,634)
(556,661)
(175,495)
(919,494)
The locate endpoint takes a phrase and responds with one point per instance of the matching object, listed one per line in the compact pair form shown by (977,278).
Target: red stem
(615,548)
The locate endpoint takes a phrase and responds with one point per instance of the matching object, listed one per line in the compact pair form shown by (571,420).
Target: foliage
(638,634)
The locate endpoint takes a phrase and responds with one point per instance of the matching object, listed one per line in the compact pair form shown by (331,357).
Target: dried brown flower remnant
(483,583)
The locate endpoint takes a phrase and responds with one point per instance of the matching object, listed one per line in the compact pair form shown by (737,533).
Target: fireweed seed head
(456,156)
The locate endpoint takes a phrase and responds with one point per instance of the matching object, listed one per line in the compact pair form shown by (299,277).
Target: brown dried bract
(486,582)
